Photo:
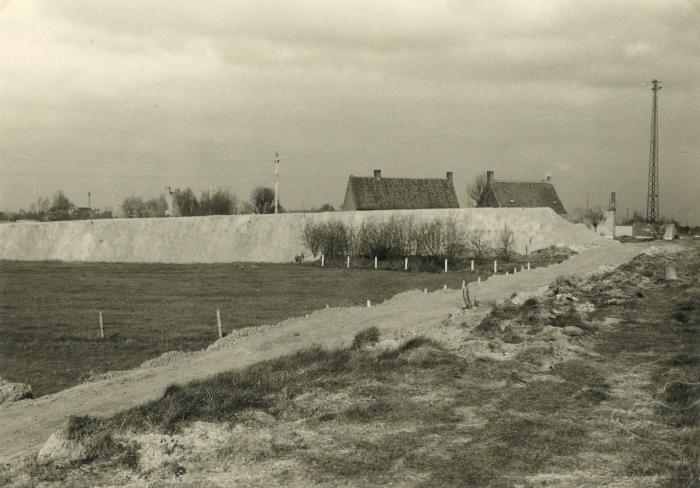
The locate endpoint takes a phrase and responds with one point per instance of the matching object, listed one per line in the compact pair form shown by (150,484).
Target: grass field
(49,310)
(617,403)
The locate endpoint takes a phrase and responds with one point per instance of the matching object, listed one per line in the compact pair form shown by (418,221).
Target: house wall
(488,199)
(349,202)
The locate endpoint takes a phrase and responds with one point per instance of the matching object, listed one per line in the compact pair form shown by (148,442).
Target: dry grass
(622,411)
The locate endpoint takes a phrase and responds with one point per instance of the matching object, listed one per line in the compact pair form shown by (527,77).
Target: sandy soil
(259,238)
(25,426)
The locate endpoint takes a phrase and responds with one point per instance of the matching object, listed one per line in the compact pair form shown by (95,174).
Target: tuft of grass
(366,337)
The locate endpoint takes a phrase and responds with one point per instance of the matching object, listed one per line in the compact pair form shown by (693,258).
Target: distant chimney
(449,176)
(489,176)
(378,173)
(612,201)
(548,179)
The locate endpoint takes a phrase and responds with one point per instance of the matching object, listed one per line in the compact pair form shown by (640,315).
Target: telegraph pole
(653,190)
(277,179)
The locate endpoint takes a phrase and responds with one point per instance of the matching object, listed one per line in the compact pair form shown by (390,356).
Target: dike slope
(257,238)
(25,425)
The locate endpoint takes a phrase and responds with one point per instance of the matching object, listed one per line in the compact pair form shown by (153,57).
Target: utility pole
(653,190)
(277,179)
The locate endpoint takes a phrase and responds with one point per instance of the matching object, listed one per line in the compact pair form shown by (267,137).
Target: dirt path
(25,426)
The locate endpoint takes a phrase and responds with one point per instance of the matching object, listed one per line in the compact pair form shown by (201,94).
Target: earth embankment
(256,238)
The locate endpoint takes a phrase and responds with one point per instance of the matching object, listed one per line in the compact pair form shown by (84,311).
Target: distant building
(379,193)
(520,194)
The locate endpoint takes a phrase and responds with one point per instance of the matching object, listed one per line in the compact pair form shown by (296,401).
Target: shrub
(478,246)
(454,240)
(312,236)
(365,337)
(506,243)
(335,238)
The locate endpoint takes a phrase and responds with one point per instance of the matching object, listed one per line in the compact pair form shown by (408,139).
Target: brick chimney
(489,176)
(449,176)
(378,174)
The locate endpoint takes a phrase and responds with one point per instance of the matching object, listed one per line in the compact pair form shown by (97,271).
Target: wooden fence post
(323,260)
(445,265)
(102,327)
(495,266)
(472,265)
(375,262)
(218,322)
(405,264)
(348,265)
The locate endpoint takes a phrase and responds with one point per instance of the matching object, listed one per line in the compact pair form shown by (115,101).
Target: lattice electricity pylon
(653,190)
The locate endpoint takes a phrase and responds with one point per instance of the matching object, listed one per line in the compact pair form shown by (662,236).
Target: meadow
(49,310)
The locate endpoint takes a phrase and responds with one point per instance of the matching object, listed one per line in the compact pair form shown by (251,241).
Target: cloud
(168,85)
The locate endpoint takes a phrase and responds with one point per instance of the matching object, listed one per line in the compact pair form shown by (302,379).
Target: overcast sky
(124,98)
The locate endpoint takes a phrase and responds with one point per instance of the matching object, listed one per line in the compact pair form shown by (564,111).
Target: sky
(121,98)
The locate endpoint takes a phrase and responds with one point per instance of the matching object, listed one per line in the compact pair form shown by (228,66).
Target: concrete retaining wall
(261,238)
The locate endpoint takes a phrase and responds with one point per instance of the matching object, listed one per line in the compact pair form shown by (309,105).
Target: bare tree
(312,235)
(476,188)
(187,202)
(478,245)
(133,207)
(506,242)
(262,199)
(221,202)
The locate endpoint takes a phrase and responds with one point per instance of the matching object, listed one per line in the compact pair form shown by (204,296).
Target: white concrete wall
(623,230)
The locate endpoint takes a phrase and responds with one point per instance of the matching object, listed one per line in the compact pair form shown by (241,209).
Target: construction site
(399,244)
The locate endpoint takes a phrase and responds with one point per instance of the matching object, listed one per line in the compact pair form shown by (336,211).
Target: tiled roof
(371,193)
(527,194)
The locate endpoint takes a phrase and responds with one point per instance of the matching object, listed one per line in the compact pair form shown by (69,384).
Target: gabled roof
(372,193)
(526,194)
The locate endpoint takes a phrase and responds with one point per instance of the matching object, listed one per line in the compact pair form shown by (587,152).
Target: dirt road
(26,425)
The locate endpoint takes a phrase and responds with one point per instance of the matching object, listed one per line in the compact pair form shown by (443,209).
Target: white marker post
(218,322)
(444,287)
(405,264)
(375,262)
(495,266)
(464,284)
(102,327)
(515,270)
(522,268)
(369,304)
(506,273)
(445,265)
(323,260)
(478,279)
(528,265)
(348,265)
(425,290)
(472,265)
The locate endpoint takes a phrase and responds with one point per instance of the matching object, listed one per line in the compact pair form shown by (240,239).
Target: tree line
(185,203)
(401,236)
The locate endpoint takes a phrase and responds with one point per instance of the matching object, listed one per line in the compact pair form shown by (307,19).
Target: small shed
(379,193)
(520,194)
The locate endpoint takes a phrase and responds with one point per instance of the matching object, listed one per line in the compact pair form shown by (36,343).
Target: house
(520,194)
(379,193)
